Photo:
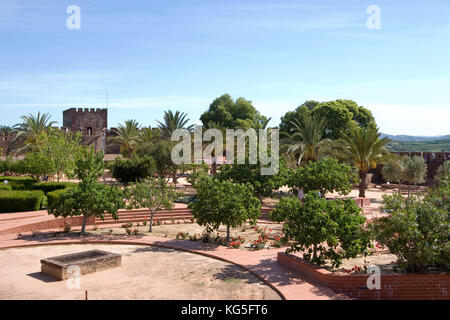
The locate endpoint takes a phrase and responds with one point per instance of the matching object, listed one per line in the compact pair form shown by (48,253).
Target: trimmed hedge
(20,183)
(48,187)
(5,186)
(19,201)
(53,197)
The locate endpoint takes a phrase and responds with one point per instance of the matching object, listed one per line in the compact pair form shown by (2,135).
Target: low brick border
(393,287)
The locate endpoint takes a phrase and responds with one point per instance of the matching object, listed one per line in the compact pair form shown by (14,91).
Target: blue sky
(154,55)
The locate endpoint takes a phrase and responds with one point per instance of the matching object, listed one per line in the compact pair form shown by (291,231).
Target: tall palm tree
(306,140)
(30,132)
(127,138)
(219,126)
(5,131)
(365,149)
(173,121)
(147,135)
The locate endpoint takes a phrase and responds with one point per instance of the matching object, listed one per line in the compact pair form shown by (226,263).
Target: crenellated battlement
(89,110)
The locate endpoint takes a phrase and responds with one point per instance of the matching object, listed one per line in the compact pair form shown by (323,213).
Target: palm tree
(30,132)
(5,131)
(173,121)
(306,140)
(127,138)
(365,149)
(219,126)
(146,135)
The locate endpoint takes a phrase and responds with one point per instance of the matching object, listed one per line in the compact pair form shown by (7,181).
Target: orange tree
(89,198)
(224,202)
(323,229)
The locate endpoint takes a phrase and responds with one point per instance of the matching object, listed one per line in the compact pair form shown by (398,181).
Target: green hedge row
(53,197)
(48,187)
(19,201)
(5,186)
(19,183)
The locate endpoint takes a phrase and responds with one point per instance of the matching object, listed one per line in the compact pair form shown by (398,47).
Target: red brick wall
(393,287)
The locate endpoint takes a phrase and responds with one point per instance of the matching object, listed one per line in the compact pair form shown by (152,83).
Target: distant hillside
(441,145)
(414,138)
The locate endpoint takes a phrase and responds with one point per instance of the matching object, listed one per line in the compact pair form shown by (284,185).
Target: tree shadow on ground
(235,273)
(282,276)
(152,249)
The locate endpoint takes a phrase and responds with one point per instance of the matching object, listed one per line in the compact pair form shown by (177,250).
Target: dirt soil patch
(146,273)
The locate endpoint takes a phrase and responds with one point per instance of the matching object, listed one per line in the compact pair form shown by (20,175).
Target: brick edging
(393,286)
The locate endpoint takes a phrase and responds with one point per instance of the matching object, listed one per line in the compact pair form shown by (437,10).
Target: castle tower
(90,122)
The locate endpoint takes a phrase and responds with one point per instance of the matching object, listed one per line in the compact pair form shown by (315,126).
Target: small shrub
(417,231)
(182,235)
(133,170)
(67,227)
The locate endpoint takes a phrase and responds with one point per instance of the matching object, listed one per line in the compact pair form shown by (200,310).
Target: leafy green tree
(393,171)
(341,115)
(132,170)
(364,149)
(127,137)
(89,198)
(296,116)
(325,175)
(322,229)
(263,185)
(161,152)
(62,149)
(233,114)
(415,170)
(36,164)
(443,173)
(30,133)
(173,121)
(224,203)
(153,194)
